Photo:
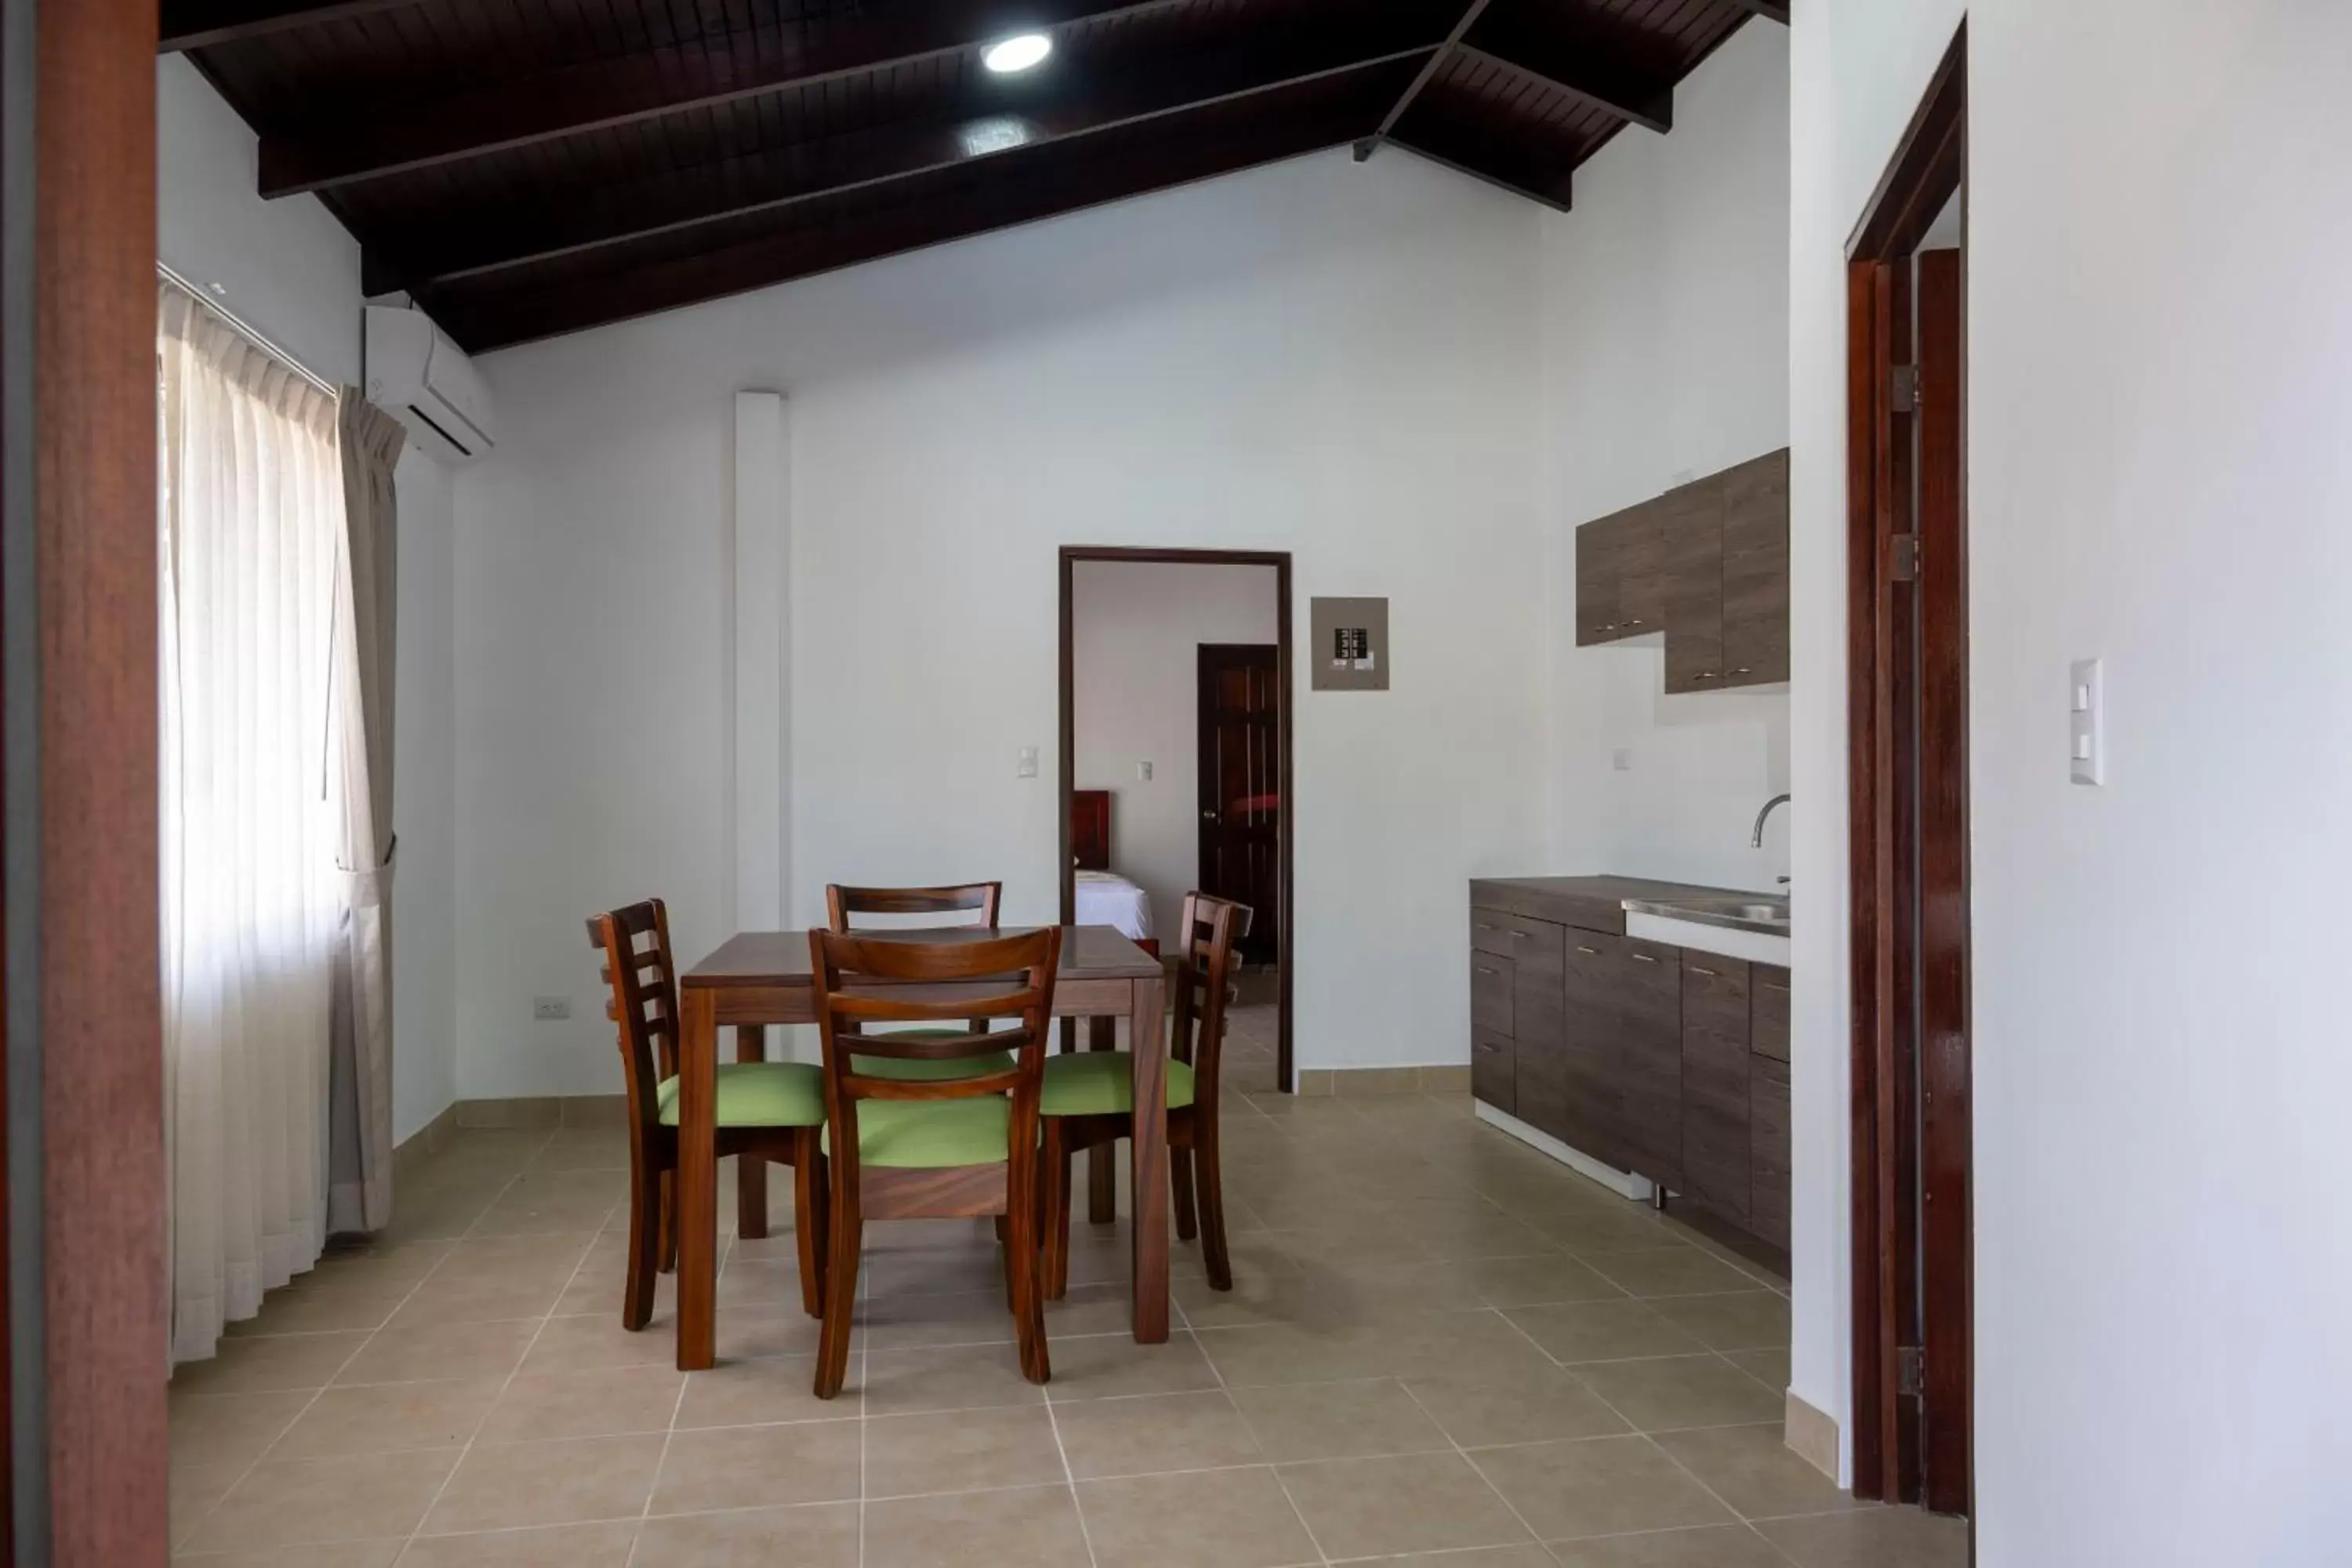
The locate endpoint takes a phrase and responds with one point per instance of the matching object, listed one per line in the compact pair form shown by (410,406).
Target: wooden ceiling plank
(1370,144)
(1646,108)
(1771,10)
(1446,129)
(576,99)
(201,24)
(1413,142)
(491,240)
(1591,62)
(511,312)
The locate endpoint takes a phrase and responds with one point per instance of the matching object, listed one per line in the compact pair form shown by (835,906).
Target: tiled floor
(1441,1349)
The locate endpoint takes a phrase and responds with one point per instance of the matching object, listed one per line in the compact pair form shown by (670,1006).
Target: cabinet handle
(1633,623)
(1590,951)
(1643,958)
(1695,969)
(1483,970)
(1774,985)
(1482,925)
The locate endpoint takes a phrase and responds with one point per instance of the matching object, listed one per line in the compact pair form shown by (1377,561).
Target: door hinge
(1911,1371)
(1903,557)
(1904,392)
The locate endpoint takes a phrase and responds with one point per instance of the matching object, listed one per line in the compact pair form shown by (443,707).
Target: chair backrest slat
(979,899)
(634,944)
(1206,932)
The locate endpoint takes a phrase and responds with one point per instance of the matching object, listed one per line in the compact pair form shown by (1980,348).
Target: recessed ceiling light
(1017,53)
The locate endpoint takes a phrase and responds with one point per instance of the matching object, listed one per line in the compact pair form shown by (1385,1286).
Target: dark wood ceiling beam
(389,140)
(1370,144)
(1002,121)
(508,308)
(201,23)
(1771,10)
(1450,132)
(1589,59)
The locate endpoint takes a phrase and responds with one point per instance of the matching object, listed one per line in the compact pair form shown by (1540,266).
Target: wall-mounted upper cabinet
(1709,561)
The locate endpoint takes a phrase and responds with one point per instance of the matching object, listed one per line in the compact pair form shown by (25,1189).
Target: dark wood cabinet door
(1598,570)
(1756,572)
(1591,1077)
(1693,570)
(1641,572)
(1494,1070)
(1490,994)
(1767,1110)
(1768,1012)
(1650,1014)
(1715,1154)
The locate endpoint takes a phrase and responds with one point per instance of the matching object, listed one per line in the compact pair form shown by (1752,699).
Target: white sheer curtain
(251,510)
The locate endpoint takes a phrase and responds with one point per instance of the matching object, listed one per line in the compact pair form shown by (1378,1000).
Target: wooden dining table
(757,978)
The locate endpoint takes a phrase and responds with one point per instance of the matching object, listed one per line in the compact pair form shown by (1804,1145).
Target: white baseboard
(1810,1433)
(1626,1183)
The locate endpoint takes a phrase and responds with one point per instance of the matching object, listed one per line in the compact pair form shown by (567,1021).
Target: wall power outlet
(545,1008)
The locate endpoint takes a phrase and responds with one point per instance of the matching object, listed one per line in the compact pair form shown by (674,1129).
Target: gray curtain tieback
(370,889)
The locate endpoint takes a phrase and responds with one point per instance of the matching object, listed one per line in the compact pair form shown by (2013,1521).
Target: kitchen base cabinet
(1716,1161)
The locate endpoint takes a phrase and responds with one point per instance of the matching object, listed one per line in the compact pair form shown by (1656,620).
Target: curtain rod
(211,301)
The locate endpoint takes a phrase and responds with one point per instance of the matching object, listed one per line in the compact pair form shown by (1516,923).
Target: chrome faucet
(1756,840)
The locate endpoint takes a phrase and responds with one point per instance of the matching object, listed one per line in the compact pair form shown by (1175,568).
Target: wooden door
(1240,785)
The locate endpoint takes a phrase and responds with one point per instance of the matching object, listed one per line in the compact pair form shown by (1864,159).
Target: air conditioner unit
(417,373)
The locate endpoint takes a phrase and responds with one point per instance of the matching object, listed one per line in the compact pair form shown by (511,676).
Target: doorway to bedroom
(1175,774)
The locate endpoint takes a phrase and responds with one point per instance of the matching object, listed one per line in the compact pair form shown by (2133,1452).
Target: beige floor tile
(576,1344)
(1339,1420)
(761,1393)
(1376,1292)
(1670,1271)
(1035,1527)
(763,1282)
(960,1450)
(1873,1537)
(1427,1502)
(1538,1407)
(334,1554)
(1481,1557)
(475,1301)
(383,1265)
(378,1419)
(439,1353)
(1598,1486)
(1198,1518)
(1482,1344)
(563,1546)
(1715,1546)
(749,1332)
(602,1403)
(1770,1368)
(1153,1433)
(1674,1392)
(1575,1332)
(1746,1320)
(759,1466)
(306,1308)
(1586,1229)
(296,1501)
(949,1318)
(194,1489)
(503,1486)
(817,1535)
(1531,1281)
(230,1429)
(935,1271)
(900,1383)
(1751,1468)
(267,1365)
(1290,1352)
(1103,1366)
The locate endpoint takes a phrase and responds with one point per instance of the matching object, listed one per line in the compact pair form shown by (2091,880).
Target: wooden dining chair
(841,905)
(1088,1100)
(772,1110)
(927,1147)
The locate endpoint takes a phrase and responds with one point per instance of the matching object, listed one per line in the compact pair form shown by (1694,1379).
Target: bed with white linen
(1104,897)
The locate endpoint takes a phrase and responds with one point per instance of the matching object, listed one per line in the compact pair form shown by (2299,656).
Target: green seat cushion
(760,1094)
(912,1070)
(924,1134)
(1102,1083)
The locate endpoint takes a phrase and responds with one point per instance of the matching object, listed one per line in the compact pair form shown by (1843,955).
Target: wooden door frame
(1071,554)
(1202,793)
(1907,1128)
(77,655)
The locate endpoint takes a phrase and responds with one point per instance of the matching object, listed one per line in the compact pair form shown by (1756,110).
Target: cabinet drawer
(1768,1012)
(1516,937)
(1769,1132)
(1494,1073)
(1490,993)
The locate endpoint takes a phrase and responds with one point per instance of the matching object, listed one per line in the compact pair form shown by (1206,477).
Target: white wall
(1136,629)
(1666,357)
(1316,356)
(291,272)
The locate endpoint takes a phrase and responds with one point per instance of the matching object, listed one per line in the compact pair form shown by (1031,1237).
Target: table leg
(751,1170)
(1148,1152)
(1102,1173)
(698,1181)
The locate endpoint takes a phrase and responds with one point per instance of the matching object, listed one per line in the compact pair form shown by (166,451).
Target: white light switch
(1027,767)
(2086,741)
(1143,772)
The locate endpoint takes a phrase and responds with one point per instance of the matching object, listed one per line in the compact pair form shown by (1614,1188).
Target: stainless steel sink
(1733,911)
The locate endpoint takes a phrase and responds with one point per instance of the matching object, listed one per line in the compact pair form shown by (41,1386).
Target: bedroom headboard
(1090,829)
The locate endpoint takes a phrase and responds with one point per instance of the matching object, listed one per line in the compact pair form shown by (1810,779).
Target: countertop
(1589,903)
